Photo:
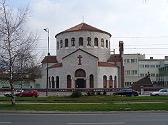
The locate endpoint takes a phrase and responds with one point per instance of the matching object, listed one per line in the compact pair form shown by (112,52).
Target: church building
(83,60)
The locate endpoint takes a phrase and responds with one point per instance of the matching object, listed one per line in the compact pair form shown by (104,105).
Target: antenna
(83,19)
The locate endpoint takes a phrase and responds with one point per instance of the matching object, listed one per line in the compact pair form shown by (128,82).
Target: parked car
(161,92)
(30,93)
(126,92)
(16,93)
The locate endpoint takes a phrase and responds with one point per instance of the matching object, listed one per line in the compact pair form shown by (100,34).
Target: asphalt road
(112,118)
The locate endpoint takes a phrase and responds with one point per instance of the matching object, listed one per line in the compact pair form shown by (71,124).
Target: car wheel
(157,95)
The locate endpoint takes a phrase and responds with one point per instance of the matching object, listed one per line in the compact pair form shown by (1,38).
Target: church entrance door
(80,83)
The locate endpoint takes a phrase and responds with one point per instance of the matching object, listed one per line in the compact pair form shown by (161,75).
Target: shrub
(76,94)
(90,93)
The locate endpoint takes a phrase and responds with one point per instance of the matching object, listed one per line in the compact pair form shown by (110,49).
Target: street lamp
(47,30)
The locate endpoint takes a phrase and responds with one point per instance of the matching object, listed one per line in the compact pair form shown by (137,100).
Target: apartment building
(131,68)
(137,67)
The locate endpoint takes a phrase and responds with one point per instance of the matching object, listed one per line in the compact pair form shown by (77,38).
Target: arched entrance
(80,76)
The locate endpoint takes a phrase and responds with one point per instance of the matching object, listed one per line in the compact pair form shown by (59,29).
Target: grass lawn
(86,103)
(86,107)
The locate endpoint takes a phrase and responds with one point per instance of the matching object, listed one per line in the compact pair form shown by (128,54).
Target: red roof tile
(106,64)
(50,59)
(56,65)
(144,81)
(114,58)
(83,27)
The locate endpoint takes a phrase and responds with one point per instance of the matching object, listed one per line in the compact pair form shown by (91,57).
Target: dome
(85,37)
(83,27)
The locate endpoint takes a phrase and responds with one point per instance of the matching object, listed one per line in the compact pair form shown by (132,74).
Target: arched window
(57,44)
(102,42)
(80,41)
(106,43)
(96,42)
(104,81)
(57,81)
(73,41)
(115,82)
(80,73)
(68,81)
(91,80)
(61,44)
(110,82)
(52,82)
(88,41)
(66,42)
(49,83)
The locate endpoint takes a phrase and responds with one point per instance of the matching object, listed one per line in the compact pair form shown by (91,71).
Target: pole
(47,30)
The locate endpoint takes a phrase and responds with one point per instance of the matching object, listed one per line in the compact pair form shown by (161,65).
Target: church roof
(56,65)
(106,64)
(49,59)
(114,58)
(83,27)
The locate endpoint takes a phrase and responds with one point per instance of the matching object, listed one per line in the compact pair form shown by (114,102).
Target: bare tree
(16,42)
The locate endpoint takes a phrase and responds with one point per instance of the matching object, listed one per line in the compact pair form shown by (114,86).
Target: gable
(80,57)
(80,50)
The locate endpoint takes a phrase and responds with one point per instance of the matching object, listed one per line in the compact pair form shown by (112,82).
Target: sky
(141,24)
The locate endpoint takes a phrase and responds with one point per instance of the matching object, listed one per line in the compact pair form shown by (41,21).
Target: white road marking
(5,122)
(104,123)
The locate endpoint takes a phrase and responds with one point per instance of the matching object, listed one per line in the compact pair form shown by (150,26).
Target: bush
(76,94)
(90,93)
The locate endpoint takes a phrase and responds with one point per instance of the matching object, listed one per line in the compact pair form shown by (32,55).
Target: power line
(140,37)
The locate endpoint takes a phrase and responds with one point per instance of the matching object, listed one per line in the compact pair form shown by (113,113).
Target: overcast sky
(140,24)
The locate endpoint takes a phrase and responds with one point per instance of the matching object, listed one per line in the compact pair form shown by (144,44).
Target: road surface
(112,118)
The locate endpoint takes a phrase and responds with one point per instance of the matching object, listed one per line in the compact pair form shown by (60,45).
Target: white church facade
(83,60)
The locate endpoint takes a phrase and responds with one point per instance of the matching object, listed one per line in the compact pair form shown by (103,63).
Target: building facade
(137,67)
(83,60)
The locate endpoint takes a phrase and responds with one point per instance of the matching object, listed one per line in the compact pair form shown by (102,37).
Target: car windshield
(163,90)
(127,90)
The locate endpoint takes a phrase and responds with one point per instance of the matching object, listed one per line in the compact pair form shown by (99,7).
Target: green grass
(86,103)
(87,107)
(89,99)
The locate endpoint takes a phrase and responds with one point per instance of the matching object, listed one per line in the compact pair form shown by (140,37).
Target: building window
(104,81)
(152,66)
(61,44)
(66,42)
(57,44)
(152,74)
(91,81)
(157,66)
(68,81)
(146,66)
(96,42)
(106,43)
(73,41)
(127,72)
(142,74)
(133,60)
(134,72)
(115,81)
(127,84)
(52,82)
(110,82)
(57,81)
(141,65)
(88,41)
(80,41)
(126,61)
(102,42)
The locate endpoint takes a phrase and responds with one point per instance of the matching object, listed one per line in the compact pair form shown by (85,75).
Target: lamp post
(47,30)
